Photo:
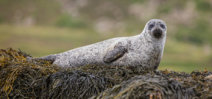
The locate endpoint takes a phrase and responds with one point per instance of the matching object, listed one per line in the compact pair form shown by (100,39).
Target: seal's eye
(162,26)
(151,26)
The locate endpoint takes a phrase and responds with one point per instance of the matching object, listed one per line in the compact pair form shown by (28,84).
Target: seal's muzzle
(157,33)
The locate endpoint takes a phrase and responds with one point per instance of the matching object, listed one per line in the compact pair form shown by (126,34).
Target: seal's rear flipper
(51,58)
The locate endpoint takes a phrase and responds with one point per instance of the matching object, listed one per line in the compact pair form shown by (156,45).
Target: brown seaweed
(23,78)
(74,84)
(148,87)
(17,73)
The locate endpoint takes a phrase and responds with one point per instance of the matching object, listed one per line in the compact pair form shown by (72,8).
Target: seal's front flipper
(118,51)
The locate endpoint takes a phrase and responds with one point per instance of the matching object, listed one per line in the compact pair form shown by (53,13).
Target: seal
(144,50)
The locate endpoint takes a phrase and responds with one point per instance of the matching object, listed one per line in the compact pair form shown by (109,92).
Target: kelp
(22,77)
(162,84)
(117,73)
(72,84)
(82,82)
(148,87)
(17,73)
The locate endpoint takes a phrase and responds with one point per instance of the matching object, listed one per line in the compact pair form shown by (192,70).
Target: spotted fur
(144,50)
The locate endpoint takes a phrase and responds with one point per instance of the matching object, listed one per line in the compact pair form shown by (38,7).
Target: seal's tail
(51,58)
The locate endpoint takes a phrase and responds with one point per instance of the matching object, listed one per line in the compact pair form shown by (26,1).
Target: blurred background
(42,27)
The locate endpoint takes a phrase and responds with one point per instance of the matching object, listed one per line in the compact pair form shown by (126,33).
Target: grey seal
(144,50)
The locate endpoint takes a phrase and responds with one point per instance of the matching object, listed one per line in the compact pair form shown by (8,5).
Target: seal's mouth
(157,33)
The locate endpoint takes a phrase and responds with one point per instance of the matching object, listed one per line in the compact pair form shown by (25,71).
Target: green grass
(42,40)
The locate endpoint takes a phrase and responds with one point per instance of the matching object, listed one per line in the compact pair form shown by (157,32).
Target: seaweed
(72,84)
(82,82)
(117,73)
(22,77)
(148,87)
(17,73)
(162,84)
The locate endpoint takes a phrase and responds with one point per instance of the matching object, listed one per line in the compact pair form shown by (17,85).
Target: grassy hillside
(45,27)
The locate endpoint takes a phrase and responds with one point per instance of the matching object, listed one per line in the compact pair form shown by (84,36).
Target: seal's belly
(139,59)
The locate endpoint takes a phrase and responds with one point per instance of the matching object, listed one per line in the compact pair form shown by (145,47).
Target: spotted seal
(145,50)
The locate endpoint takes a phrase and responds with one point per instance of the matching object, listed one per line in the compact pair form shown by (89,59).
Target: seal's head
(156,28)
